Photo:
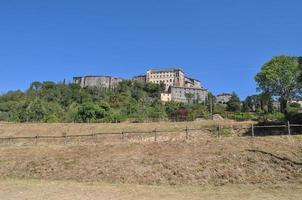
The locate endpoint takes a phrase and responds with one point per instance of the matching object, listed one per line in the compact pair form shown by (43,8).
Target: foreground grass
(33,129)
(11,189)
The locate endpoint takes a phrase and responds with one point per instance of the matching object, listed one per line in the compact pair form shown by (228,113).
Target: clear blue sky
(221,42)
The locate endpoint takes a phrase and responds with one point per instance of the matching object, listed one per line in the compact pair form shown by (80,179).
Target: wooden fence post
(65,138)
(253,131)
(288,128)
(36,140)
(94,137)
(187,134)
(218,130)
(155,135)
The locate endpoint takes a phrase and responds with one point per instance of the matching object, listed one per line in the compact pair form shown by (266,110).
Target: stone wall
(97,81)
(179,94)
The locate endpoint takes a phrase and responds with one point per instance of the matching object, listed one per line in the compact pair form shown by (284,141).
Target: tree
(36,85)
(90,112)
(189,97)
(300,61)
(234,104)
(35,111)
(259,102)
(279,78)
(172,106)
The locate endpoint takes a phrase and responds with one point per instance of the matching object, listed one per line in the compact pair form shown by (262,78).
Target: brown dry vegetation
(186,164)
(33,129)
(202,161)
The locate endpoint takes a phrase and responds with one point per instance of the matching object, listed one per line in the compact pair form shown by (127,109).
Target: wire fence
(157,135)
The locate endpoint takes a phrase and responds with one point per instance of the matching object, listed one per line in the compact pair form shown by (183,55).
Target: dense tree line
(60,102)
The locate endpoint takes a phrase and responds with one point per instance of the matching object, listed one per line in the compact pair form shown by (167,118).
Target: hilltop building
(223,98)
(97,81)
(188,95)
(139,78)
(192,83)
(178,87)
(171,77)
(168,76)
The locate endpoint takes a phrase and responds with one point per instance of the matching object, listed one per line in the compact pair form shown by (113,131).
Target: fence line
(212,128)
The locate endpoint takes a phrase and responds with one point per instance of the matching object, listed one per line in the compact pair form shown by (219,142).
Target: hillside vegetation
(60,102)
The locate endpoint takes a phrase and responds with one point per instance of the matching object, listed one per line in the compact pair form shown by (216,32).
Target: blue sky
(221,42)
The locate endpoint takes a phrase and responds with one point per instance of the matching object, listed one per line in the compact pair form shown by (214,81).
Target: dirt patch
(68,190)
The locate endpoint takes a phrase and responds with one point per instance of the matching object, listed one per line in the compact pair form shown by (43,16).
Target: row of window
(164,81)
(186,91)
(162,76)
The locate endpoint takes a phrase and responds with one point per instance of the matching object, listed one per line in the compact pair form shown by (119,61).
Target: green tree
(234,104)
(172,106)
(35,111)
(90,112)
(258,103)
(189,97)
(279,77)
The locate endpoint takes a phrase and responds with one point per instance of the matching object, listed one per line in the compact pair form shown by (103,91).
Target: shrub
(277,116)
(115,118)
(241,116)
(4,116)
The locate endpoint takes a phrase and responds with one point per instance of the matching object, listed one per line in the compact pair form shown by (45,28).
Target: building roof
(139,76)
(192,79)
(224,94)
(97,76)
(191,88)
(166,69)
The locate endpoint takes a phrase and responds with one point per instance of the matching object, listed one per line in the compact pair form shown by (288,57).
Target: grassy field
(67,190)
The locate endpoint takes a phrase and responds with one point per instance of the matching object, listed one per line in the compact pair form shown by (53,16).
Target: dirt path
(52,190)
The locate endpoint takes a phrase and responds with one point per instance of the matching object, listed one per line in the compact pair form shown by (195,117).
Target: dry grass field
(203,167)
(33,129)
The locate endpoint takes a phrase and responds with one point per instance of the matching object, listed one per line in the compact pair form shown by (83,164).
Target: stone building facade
(165,97)
(177,84)
(139,78)
(168,76)
(180,94)
(223,98)
(97,81)
(192,83)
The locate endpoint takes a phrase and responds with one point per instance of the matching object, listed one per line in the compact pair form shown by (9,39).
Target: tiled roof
(166,69)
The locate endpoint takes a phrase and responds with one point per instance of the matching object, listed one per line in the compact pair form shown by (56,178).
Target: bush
(115,118)
(295,118)
(277,116)
(241,116)
(4,116)
(198,111)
